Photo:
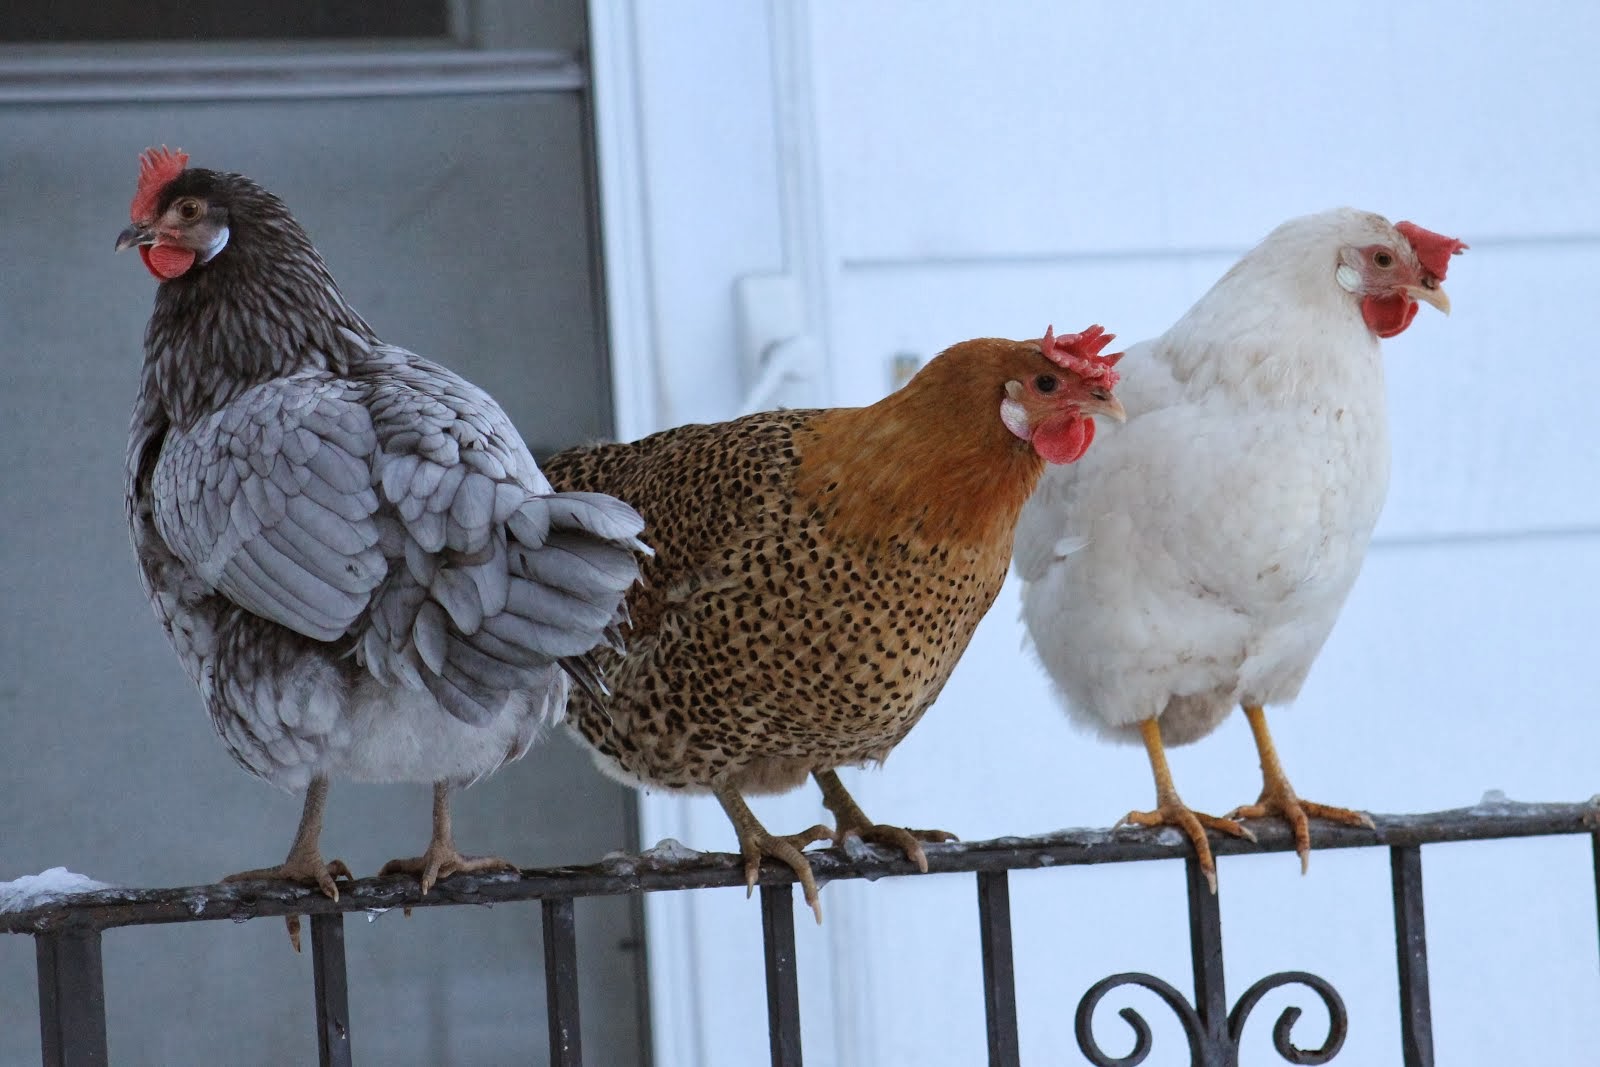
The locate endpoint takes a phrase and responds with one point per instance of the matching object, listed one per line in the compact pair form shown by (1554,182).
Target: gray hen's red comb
(157,167)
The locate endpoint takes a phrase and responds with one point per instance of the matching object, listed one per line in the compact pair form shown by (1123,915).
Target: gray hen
(352,550)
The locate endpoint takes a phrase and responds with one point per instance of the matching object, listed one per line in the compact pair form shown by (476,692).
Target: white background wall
(935,171)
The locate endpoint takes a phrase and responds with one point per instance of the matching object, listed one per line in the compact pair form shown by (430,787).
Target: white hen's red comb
(1080,353)
(157,167)
(1433,249)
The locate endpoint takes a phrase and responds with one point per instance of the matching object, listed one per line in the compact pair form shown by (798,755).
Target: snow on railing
(65,914)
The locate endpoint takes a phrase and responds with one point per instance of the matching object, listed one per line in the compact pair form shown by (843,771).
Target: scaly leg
(850,819)
(1277,795)
(305,864)
(1170,809)
(755,842)
(441,860)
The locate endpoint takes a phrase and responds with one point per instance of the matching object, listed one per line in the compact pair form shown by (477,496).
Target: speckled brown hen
(818,574)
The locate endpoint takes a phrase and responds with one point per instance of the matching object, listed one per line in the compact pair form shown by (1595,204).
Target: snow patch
(1494,799)
(670,850)
(619,863)
(37,890)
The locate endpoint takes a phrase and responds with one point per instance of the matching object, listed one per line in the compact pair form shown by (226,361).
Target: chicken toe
(441,859)
(304,864)
(1279,799)
(755,843)
(852,821)
(304,868)
(1278,796)
(1170,809)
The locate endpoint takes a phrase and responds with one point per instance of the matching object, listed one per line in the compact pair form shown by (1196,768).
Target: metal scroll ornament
(1212,1046)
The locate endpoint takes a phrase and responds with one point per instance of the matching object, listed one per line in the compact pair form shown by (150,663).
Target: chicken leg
(1277,795)
(441,860)
(304,863)
(850,819)
(755,842)
(1170,809)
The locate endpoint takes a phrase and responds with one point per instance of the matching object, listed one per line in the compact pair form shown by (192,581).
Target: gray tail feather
(587,674)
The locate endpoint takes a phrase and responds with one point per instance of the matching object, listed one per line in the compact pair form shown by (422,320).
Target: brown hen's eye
(1383,259)
(189,210)
(1045,383)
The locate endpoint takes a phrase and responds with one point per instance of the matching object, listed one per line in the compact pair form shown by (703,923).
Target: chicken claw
(1172,811)
(304,865)
(852,821)
(1283,803)
(441,860)
(755,842)
(1277,795)
(304,868)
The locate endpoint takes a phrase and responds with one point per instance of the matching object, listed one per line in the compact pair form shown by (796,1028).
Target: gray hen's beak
(136,234)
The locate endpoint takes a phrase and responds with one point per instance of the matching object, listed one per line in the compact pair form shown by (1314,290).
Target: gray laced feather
(290,472)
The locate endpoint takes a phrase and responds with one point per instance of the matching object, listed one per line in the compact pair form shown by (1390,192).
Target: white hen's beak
(1430,295)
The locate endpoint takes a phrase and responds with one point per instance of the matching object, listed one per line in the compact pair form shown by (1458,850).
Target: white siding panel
(1492,409)
(956,129)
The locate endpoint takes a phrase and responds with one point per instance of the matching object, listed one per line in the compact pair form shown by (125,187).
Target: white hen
(1197,558)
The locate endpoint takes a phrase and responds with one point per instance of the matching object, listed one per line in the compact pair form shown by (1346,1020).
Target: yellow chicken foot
(1170,809)
(1277,795)
(850,819)
(755,842)
(441,860)
(305,864)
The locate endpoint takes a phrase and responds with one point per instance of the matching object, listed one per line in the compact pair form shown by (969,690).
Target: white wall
(989,169)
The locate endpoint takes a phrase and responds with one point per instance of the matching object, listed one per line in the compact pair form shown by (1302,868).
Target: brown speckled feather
(794,618)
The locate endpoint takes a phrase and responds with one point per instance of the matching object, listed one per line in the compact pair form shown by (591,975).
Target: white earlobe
(1348,277)
(1015,416)
(218,243)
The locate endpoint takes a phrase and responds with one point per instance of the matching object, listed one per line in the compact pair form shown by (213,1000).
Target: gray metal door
(448,186)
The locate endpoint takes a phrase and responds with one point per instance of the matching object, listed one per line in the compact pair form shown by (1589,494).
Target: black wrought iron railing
(72,995)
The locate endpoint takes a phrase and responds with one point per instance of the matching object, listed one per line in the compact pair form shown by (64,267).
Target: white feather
(1198,556)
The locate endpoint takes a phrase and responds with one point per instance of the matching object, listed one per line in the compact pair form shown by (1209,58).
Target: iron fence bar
(331,987)
(72,998)
(1411,947)
(1205,953)
(999,974)
(561,982)
(1596,841)
(783,983)
(239,901)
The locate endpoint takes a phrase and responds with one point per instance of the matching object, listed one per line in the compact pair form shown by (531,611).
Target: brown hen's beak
(1110,407)
(1430,295)
(135,235)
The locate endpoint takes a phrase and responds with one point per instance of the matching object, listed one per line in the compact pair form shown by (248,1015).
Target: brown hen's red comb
(1080,353)
(157,167)
(1433,249)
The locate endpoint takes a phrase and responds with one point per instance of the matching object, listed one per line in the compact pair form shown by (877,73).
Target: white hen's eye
(1383,259)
